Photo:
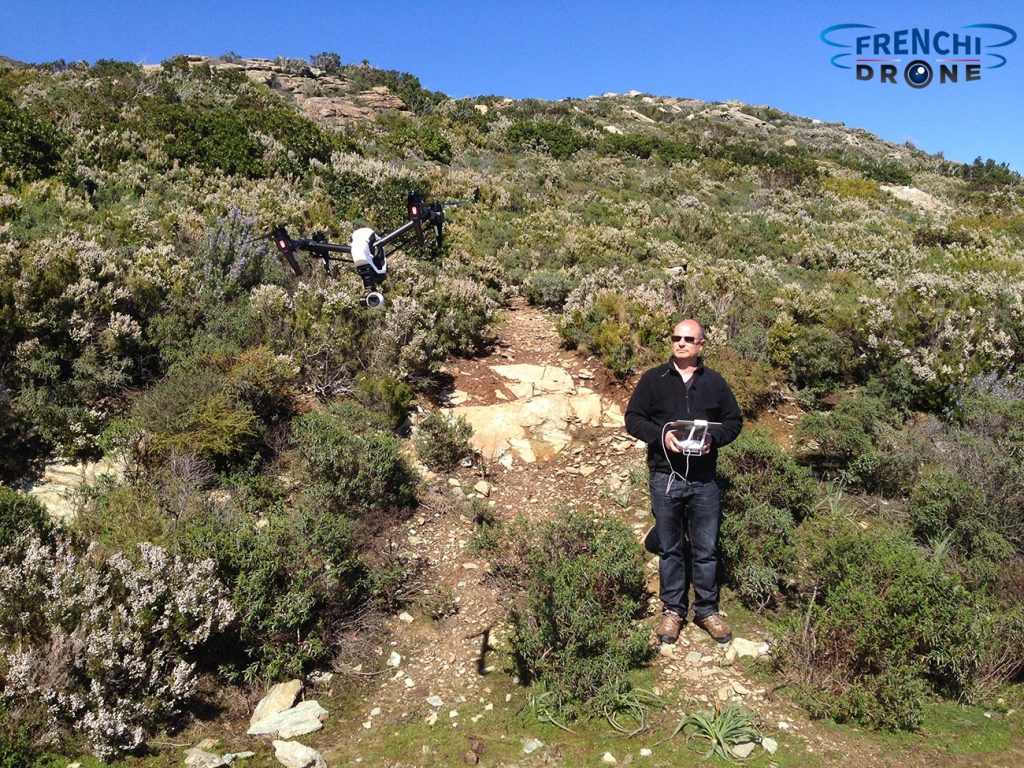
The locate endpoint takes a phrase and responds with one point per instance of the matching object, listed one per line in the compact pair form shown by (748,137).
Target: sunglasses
(687,339)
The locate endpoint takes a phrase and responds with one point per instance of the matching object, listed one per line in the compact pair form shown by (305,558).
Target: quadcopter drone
(366,250)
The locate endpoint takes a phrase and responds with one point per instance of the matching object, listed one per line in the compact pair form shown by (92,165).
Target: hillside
(287,501)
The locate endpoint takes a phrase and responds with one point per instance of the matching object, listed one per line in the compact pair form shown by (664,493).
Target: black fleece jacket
(661,396)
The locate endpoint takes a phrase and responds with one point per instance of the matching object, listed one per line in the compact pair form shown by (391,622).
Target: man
(684,489)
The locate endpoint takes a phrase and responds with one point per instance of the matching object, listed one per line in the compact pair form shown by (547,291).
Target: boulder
(292,754)
(300,719)
(279,698)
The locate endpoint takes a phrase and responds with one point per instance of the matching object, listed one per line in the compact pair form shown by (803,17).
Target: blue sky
(756,52)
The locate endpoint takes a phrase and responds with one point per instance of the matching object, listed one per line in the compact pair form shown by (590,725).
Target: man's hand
(706,448)
(672,443)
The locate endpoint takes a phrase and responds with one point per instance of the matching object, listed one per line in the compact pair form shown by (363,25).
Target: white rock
(375,712)
(238,756)
(532,746)
(645,752)
(609,759)
(694,656)
(740,689)
(292,754)
(405,618)
(303,718)
(744,647)
(198,758)
(394,660)
(742,751)
(770,745)
(409,682)
(784,726)
(435,701)
(279,698)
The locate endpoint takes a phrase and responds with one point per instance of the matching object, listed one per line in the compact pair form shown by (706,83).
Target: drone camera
(372,300)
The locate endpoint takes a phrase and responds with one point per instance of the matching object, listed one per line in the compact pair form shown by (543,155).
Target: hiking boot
(715,626)
(668,630)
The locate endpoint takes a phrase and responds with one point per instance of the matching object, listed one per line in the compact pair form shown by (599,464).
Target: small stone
(375,712)
(206,744)
(645,752)
(470,566)
(435,701)
(508,697)
(694,657)
(453,713)
(471,758)
(488,707)
(394,660)
(769,745)
(405,618)
(409,682)
(198,758)
(784,726)
(743,750)
(740,689)
(532,746)
(724,693)
(368,724)
(483,488)
(609,759)
(432,718)
(454,482)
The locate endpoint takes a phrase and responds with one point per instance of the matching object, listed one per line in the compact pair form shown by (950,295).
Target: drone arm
(390,237)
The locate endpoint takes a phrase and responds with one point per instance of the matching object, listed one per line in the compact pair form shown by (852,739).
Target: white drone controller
(696,432)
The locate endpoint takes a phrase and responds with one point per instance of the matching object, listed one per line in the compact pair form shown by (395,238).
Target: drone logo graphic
(935,55)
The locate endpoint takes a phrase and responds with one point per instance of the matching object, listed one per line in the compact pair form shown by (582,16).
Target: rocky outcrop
(537,424)
(327,98)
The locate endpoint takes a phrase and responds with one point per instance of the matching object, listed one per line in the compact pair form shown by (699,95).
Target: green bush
(860,442)
(581,583)
(882,625)
(442,442)
(385,395)
(548,288)
(30,147)
(948,512)
(291,578)
(557,139)
(349,465)
(765,494)
(753,383)
(20,513)
(16,748)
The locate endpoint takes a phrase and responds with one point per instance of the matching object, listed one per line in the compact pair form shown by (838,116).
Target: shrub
(581,583)
(947,512)
(557,139)
(349,466)
(291,576)
(548,288)
(30,147)
(106,645)
(859,441)
(753,383)
(385,395)
(442,441)
(20,513)
(881,626)
(765,494)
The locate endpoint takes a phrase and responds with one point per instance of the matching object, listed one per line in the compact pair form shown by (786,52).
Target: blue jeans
(688,516)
